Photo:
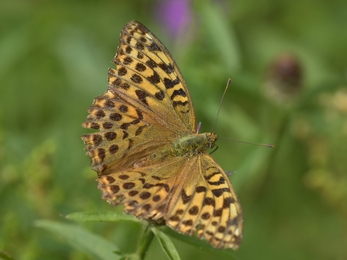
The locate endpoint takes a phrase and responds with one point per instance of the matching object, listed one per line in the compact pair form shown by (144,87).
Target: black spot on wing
(219,192)
(179,103)
(178,92)
(142,95)
(171,83)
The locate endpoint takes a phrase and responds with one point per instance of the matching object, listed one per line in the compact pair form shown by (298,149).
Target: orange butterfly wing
(146,152)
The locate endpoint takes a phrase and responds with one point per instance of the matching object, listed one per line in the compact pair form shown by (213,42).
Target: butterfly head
(211,139)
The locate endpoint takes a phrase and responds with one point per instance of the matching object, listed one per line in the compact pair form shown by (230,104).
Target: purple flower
(175,15)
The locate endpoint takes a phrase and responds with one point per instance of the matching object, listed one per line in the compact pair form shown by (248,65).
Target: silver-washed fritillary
(147,153)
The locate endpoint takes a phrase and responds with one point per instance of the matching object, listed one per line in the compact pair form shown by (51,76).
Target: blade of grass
(198,243)
(166,244)
(82,239)
(104,217)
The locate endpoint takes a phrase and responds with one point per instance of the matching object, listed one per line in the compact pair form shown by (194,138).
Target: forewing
(148,77)
(146,106)
(126,134)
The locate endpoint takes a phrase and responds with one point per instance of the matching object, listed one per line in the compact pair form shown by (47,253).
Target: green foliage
(287,65)
(166,244)
(82,240)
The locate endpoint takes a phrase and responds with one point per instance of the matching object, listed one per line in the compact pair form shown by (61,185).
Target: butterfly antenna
(239,141)
(220,104)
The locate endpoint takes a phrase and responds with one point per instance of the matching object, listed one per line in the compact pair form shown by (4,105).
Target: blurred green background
(287,61)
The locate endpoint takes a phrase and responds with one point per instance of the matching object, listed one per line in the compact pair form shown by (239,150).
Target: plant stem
(145,240)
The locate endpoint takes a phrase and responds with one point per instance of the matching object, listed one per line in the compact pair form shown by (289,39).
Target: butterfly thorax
(193,144)
(187,146)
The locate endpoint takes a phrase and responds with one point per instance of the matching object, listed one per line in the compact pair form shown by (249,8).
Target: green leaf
(166,244)
(222,35)
(5,256)
(145,241)
(110,216)
(198,243)
(82,239)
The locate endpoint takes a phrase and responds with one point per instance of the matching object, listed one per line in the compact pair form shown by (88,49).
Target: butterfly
(148,154)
